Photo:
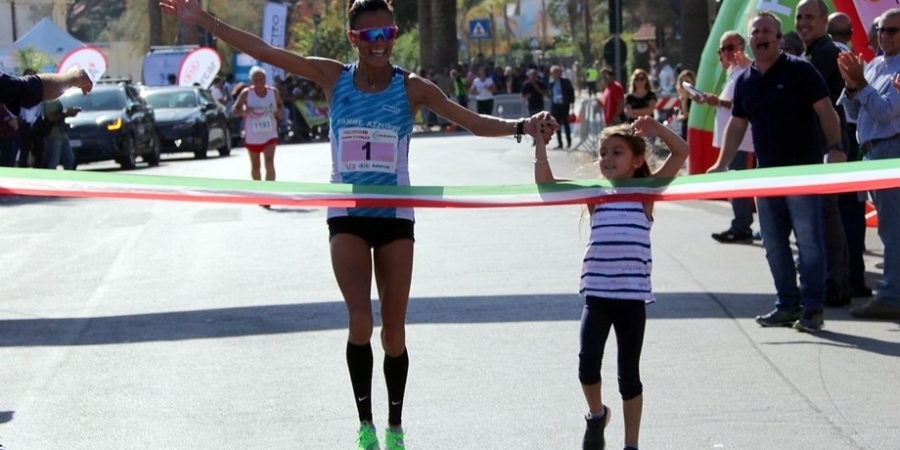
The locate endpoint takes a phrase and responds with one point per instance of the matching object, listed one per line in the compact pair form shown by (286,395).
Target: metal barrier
(588,124)
(509,106)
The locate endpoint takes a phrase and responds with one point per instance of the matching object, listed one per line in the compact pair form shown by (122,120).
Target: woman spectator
(684,99)
(483,87)
(640,100)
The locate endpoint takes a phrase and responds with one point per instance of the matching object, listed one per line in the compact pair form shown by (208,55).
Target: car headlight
(183,125)
(115,125)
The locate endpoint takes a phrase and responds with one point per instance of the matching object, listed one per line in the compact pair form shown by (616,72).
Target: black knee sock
(360,363)
(395,371)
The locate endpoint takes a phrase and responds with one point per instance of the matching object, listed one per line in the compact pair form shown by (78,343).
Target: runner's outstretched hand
(188,11)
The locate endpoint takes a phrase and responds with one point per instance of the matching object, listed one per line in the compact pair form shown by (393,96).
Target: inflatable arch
(735,15)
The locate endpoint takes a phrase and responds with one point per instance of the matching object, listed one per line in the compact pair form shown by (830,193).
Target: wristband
(520,127)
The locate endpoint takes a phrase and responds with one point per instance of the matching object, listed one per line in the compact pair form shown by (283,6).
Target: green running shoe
(393,440)
(368,439)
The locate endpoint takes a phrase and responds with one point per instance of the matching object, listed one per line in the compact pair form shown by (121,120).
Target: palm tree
(445,45)
(694,31)
(154,17)
(426,51)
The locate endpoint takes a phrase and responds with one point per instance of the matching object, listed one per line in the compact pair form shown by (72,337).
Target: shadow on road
(6,416)
(297,318)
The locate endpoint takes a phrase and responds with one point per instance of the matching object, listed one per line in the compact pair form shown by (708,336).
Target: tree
(331,37)
(426,28)
(154,22)
(32,58)
(87,19)
(445,43)
(694,32)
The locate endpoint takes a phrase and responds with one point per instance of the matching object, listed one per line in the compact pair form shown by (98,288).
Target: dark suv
(114,124)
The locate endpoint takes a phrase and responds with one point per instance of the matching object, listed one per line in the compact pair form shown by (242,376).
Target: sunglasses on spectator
(640,78)
(728,48)
(890,31)
(372,34)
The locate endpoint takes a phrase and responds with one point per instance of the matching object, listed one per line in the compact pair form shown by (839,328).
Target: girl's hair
(636,144)
(685,75)
(637,73)
(360,7)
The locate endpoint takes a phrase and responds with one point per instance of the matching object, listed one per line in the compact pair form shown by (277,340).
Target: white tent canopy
(45,37)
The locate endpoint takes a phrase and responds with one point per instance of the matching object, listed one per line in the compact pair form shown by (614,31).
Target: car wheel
(128,160)
(152,156)
(225,149)
(204,144)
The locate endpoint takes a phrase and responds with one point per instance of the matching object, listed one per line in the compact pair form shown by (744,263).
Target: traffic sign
(534,43)
(480,29)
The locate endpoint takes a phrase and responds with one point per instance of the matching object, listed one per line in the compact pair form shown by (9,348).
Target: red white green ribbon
(794,180)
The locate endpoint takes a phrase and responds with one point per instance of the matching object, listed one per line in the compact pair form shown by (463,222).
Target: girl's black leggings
(628,318)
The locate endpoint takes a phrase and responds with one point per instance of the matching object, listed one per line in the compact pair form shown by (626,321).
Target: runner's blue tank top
(370,135)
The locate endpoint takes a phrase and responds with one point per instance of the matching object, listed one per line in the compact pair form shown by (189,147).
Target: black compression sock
(360,362)
(395,371)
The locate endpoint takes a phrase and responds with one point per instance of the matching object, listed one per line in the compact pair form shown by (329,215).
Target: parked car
(114,124)
(189,120)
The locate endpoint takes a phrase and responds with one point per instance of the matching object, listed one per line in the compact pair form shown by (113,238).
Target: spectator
(483,87)
(612,99)
(788,118)
(8,146)
(684,99)
(31,90)
(735,62)
(57,140)
(851,204)
(792,44)
(459,88)
(812,25)
(871,98)
(562,96)
(534,91)
(666,77)
(641,100)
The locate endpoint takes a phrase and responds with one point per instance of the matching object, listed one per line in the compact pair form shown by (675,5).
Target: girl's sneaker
(368,439)
(393,440)
(593,433)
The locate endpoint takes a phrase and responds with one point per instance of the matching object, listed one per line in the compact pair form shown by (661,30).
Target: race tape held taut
(793,180)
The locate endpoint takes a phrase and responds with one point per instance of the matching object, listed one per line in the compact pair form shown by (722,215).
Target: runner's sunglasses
(372,34)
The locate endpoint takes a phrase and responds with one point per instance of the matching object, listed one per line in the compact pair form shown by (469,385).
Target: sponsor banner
(199,66)
(274,32)
(91,59)
(315,113)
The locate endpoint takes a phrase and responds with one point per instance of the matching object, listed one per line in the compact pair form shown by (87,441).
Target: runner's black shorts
(376,231)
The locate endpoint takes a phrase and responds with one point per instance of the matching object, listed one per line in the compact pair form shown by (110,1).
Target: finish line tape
(780,181)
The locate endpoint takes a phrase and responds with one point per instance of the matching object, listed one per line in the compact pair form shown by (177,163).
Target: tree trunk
(694,32)
(585,46)
(445,46)
(187,34)
(426,29)
(154,17)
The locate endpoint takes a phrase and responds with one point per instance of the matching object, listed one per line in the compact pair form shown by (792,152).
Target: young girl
(615,275)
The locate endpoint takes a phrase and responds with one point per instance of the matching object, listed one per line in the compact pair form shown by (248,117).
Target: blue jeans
(887,204)
(59,148)
(778,217)
(742,207)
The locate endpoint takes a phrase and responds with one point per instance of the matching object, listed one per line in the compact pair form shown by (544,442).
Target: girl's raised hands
(646,126)
(185,10)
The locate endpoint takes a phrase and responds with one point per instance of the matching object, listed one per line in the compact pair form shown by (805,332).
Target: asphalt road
(141,324)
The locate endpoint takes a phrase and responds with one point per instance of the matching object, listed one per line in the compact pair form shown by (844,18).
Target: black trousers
(560,112)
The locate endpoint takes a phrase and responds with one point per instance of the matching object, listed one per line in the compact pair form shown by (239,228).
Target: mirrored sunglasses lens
(372,35)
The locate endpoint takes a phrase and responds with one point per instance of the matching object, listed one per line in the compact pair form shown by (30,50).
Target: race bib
(262,124)
(367,150)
